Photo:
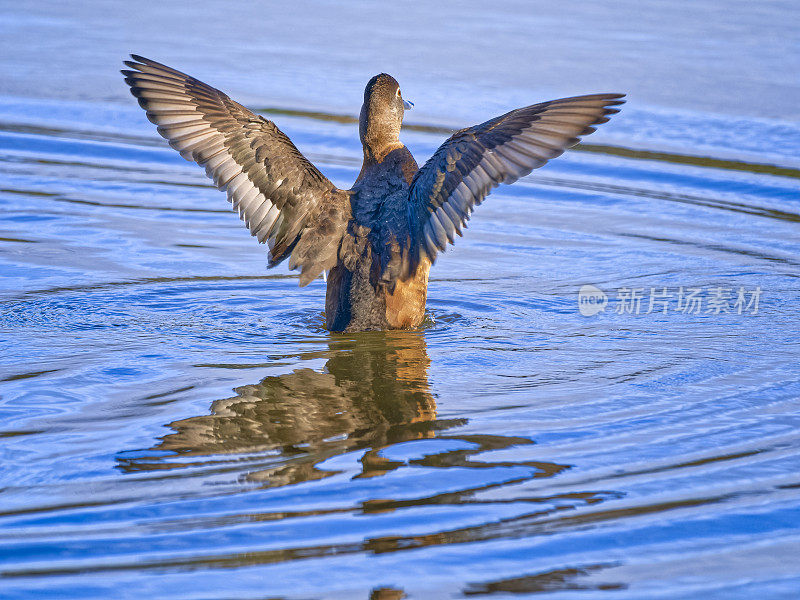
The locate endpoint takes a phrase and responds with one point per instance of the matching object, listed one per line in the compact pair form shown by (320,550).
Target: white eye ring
(398,92)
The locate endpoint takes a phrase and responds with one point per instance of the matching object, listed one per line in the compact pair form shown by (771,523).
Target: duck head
(381,116)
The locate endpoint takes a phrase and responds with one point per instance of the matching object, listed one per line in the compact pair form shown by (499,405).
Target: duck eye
(398,92)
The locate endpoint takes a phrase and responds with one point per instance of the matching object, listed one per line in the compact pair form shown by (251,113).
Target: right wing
(475,160)
(282,198)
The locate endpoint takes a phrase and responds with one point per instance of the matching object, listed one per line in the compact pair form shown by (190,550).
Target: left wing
(464,169)
(283,199)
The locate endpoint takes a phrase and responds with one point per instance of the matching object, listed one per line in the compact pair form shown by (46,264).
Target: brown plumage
(368,396)
(378,239)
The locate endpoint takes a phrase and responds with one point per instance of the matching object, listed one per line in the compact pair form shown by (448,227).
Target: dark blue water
(175,421)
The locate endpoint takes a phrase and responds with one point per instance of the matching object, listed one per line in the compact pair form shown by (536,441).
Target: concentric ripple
(176,422)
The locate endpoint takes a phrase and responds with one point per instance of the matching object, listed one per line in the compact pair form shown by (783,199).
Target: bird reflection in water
(373,392)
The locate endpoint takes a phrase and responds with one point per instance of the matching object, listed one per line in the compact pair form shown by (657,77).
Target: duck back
(363,292)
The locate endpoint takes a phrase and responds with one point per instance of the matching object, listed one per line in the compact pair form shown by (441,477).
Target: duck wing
(464,169)
(283,199)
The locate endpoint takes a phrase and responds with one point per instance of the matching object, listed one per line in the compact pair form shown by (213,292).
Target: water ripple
(176,420)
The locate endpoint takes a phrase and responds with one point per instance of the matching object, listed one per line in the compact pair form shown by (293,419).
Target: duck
(374,243)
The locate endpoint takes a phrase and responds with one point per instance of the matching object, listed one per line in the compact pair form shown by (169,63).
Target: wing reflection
(352,418)
(373,392)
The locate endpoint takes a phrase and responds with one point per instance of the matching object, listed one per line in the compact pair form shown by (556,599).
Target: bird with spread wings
(288,203)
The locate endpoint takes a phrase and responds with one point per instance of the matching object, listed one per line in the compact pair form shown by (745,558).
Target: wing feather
(464,170)
(282,198)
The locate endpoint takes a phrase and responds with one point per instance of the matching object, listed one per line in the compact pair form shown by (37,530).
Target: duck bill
(408,105)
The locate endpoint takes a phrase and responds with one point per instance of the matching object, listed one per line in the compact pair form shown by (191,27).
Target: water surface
(175,421)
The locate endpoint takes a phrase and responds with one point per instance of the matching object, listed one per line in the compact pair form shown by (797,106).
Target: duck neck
(378,138)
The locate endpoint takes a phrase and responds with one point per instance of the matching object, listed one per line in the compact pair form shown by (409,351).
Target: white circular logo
(591,300)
